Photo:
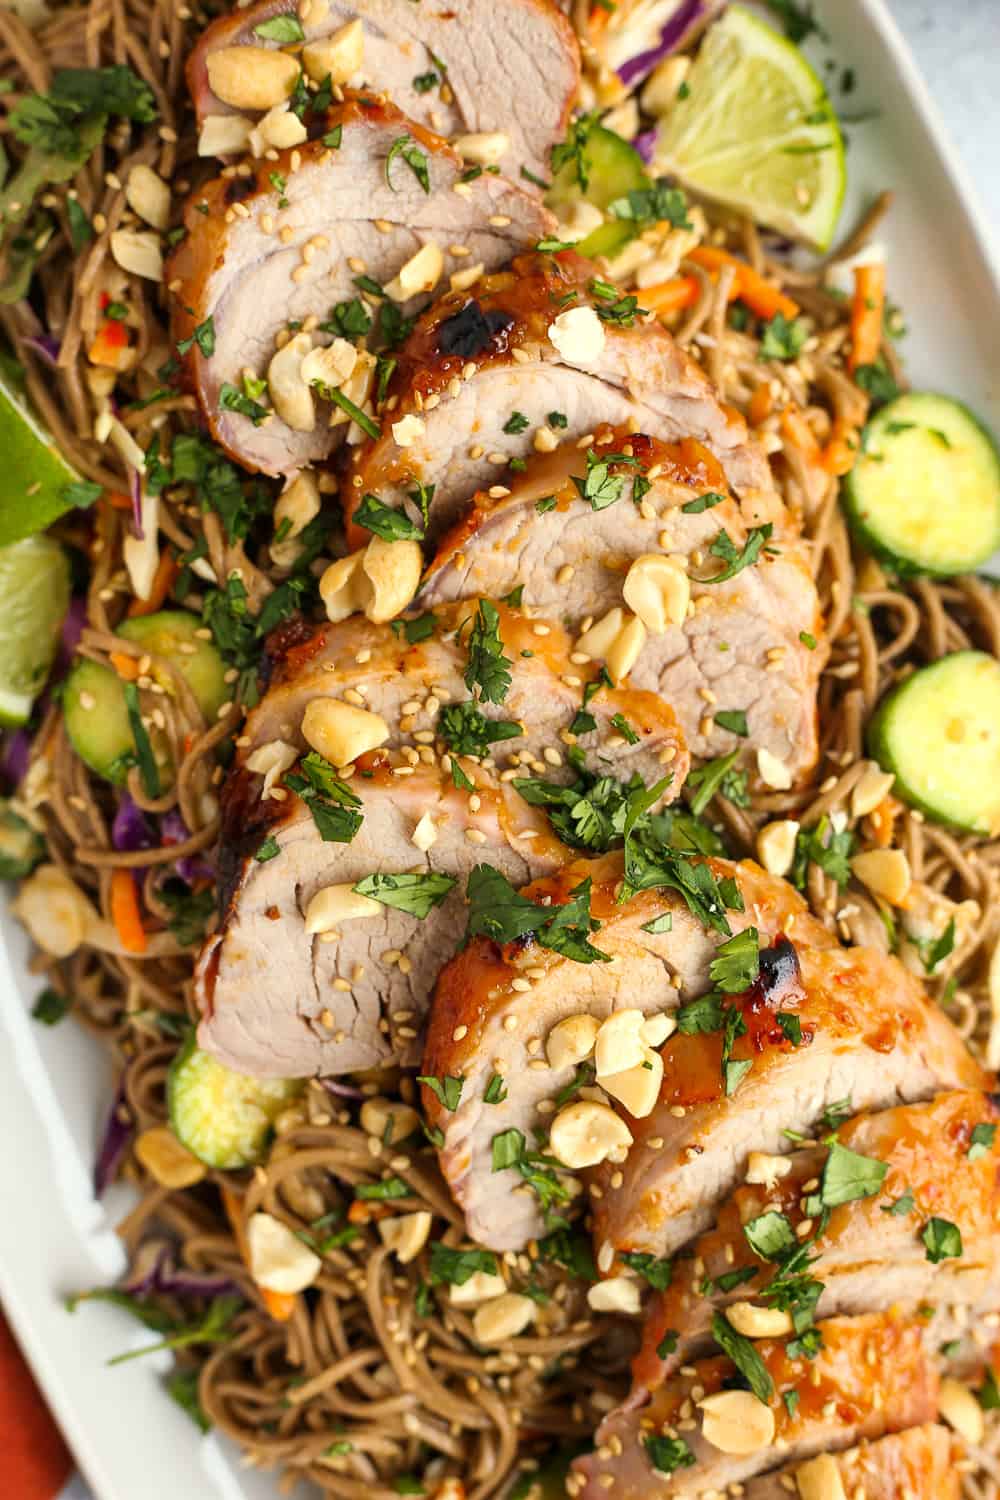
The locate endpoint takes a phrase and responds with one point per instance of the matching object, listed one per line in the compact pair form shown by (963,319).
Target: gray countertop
(957,45)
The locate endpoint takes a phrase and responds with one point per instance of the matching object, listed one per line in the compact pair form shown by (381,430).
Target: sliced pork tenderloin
(480,69)
(279,996)
(868,1034)
(872,1375)
(753,644)
(920,1463)
(484,369)
(496,1009)
(280,242)
(409,682)
(281,1001)
(868,1252)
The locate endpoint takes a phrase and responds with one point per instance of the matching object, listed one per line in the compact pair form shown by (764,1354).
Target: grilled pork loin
(868,1033)
(485,370)
(456,71)
(283,997)
(920,1463)
(496,1007)
(868,1252)
(282,242)
(752,644)
(872,1375)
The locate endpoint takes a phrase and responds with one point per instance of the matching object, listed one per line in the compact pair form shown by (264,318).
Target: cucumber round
(21,848)
(925,491)
(614,169)
(225,1119)
(94,700)
(939,732)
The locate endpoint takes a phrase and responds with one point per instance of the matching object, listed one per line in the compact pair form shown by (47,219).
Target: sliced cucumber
(613,169)
(21,848)
(97,719)
(939,732)
(925,491)
(224,1118)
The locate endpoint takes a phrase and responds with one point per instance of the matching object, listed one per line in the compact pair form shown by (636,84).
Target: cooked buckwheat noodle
(364,1384)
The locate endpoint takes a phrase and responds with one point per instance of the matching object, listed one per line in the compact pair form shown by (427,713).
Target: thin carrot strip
(760,406)
(670,296)
(796,430)
(125,913)
(111,340)
(280,1305)
(763,299)
(125,666)
(841,452)
(867,310)
(118,500)
(163,578)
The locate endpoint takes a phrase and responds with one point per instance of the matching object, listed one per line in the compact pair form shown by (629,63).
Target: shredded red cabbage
(191,867)
(135,490)
(342,1090)
(130,829)
(645,144)
(155,1270)
(15,755)
(45,346)
(115,1142)
(688,15)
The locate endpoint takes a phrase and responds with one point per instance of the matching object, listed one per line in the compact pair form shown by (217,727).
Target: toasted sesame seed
(475,836)
(459,1033)
(521,985)
(510,1023)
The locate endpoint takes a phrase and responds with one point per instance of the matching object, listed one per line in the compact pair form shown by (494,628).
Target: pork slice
(283,245)
(865,1256)
(408,683)
(482,374)
(262,948)
(754,643)
(872,1376)
(494,1008)
(481,56)
(869,1034)
(919,1463)
(277,1002)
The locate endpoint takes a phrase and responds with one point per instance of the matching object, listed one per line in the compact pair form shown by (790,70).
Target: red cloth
(34,1461)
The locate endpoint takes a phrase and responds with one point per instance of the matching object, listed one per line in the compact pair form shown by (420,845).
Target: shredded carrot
(866,314)
(118,500)
(882,820)
(763,299)
(166,572)
(841,452)
(125,666)
(125,912)
(670,296)
(761,403)
(111,340)
(597,20)
(796,431)
(280,1305)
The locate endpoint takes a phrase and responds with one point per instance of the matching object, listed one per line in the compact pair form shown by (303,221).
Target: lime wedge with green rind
(35,479)
(34,597)
(755,131)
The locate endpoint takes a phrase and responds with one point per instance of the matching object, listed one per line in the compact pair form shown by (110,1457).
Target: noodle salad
(302,1243)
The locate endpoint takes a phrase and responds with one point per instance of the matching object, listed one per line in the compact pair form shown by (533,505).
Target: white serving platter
(129,1439)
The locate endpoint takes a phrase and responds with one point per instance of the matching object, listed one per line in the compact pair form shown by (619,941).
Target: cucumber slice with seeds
(94,702)
(925,492)
(224,1118)
(614,169)
(939,732)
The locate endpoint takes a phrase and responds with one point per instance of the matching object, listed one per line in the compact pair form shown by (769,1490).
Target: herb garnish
(407,149)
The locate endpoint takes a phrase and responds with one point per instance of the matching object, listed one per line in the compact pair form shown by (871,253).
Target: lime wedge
(34,597)
(34,477)
(755,131)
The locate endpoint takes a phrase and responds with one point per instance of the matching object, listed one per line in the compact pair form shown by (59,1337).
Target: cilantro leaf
(736,559)
(488,668)
(406,148)
(415,894)
(848,1176)
(942,1240)
(744,1356)
(386,521)
(447,1090)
